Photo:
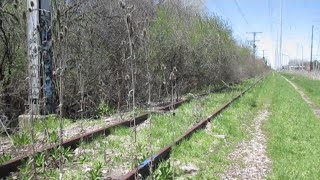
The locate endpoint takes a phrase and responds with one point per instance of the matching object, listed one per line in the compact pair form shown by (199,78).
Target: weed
(4,158)
(57,152)
(96,172)
(21,139)
(253,103)
(83,159)
(105,110)
(53,137)
(67,154)
(50,123)
(164,171)
(25,170)
(40,159)
(141,149)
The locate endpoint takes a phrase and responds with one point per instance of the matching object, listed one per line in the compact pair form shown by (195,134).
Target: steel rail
(144,168)
(12,165)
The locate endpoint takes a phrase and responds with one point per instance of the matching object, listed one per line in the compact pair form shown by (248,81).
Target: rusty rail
(12,165)
(143,169)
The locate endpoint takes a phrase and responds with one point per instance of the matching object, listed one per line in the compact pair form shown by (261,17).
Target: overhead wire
(241,12)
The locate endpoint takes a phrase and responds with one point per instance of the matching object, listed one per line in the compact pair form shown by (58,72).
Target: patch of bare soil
(250,160)
(312,105)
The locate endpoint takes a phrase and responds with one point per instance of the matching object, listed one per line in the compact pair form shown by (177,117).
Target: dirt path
(312,105)
(249,160)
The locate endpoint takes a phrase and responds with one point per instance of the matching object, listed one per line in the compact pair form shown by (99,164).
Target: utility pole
(264,58)
(311,65)
(40,55)
(302,57)
(280,58)
(33,41)
(254,42)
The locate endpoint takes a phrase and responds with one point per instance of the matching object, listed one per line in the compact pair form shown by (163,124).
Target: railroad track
(143,170)
(13,164)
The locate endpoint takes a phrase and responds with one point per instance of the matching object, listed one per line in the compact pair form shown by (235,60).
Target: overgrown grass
(50,123)
(208,152)
(293,133)
(116,152)
(310,87)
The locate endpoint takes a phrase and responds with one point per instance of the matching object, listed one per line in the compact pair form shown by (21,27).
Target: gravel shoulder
(250,160)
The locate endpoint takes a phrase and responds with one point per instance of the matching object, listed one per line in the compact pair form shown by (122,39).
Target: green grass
(310,87)
(50,123)
(293,135)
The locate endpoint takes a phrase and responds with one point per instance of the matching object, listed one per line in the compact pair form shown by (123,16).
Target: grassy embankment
(293,134)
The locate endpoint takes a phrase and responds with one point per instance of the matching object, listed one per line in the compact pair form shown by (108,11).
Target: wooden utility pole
(39,55)
(33,41)
(311,65)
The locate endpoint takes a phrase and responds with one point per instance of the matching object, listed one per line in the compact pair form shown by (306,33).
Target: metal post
(280,48)
(311,65)
(302,64)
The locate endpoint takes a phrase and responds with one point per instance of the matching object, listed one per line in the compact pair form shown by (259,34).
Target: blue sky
(264,16)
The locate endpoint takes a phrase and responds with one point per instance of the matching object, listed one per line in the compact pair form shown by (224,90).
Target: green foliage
(164,171)
(60,152)
(96,172)
(253,102)
(53,137)
(4,158)
(40,159)
(51,123)
(141,150)
(83,159)
(20,139)
(25,170)
(105,110)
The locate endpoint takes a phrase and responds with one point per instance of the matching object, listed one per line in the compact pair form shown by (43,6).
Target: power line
(240,11)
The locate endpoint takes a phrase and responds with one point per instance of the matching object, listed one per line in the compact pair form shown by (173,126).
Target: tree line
(113,51)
